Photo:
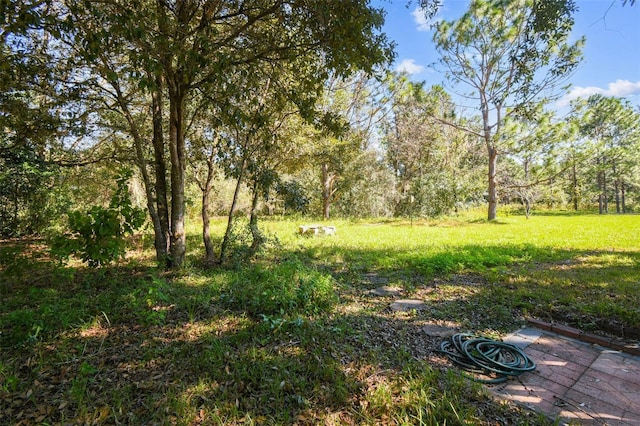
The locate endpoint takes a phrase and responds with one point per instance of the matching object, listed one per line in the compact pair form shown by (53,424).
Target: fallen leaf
(101,414)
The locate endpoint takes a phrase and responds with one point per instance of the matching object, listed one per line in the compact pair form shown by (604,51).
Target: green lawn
(294,335)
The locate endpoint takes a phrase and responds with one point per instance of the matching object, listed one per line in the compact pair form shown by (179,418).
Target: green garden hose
(484,357)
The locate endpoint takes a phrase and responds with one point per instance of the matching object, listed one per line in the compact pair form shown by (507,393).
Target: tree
(180,48)
(123,110)
(255,150)
(512,54)
(353,108)
(37,116)
(611,128)
(531,151)
(205,145)
(434,163)
(368,187)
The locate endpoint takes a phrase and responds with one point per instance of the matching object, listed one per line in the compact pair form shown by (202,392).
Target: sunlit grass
(588,232)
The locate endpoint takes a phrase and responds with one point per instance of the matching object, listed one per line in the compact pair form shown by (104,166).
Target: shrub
(98,235)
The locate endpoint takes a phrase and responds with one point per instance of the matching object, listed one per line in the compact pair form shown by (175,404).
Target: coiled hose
(488,360)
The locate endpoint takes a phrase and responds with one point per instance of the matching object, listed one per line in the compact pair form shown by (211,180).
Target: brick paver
(575,381)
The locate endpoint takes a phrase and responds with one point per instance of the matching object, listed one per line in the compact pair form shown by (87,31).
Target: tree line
(291,103)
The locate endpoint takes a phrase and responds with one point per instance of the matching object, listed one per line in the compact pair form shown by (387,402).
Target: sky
(611,64)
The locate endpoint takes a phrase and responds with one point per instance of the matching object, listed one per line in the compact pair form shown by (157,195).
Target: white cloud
(410,67)
(419,17)
(623,88)
(619,88)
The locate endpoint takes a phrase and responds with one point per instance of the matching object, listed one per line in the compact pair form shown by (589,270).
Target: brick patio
(575,382)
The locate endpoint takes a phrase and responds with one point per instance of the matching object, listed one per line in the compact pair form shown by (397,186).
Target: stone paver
(405,305)
(387,291)
(437,330)
(574,381)
(376,279)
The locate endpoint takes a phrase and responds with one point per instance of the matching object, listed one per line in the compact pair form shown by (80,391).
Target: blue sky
(611,64)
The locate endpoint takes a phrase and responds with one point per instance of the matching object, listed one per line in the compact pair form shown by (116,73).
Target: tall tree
(611,128)
(352,110)
(512,54)
(36,114)
(255,150)
(101,66)
(187,46)
(205,143)
(531,152)
(435,163)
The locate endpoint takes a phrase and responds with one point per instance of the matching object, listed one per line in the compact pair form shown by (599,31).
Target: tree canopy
(512,55)
(176,50)
(290,104)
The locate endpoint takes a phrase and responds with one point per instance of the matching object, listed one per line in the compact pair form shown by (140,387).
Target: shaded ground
(175,364)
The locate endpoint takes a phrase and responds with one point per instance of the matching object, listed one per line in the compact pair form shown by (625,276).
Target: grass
(294,336)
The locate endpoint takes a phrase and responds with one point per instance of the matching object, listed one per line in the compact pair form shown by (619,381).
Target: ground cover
(295,336)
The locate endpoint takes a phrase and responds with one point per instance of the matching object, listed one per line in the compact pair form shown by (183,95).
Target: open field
(295,335)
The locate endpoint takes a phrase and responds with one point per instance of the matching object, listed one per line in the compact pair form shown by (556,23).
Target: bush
(287,289)
(98,234)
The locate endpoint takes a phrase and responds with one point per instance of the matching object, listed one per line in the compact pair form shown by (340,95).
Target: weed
(283,290)
(80,382)
(8,381)
(148,301)
(276,323)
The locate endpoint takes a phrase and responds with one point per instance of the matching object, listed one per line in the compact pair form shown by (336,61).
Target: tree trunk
(153,213)
(600,187)
(227,234)
(616,187)
(178,240)
(163,234)
(206,193)
(525,191)
(574,178)
(142,164)
(600,202)
(622,196)
(492,188)
(617,192)
(326,191)
(16,208)
(605,192)
(253,220)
